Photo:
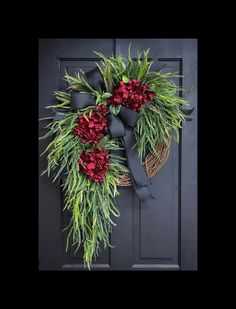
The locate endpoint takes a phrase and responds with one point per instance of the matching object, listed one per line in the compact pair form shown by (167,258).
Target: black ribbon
(81,100)
(187,112)
(120,126)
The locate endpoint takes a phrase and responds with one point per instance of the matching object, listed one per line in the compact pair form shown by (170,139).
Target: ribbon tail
(58,116)
(142,185)
(80,100)
(187,112)
(143,192)
(95,79)
(188,118)
(59,113)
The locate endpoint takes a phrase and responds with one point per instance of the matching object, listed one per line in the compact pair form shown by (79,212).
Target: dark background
(21,31)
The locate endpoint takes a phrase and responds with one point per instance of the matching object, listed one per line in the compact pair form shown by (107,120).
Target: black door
(159,234)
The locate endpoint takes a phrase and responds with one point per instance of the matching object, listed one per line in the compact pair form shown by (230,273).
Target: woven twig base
(152,164)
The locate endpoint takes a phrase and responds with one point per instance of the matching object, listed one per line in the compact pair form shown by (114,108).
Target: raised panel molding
(156,266)
(81,266)
(161,254)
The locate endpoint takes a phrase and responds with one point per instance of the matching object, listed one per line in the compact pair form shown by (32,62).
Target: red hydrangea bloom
(94,164)
(91,129)
(133,95)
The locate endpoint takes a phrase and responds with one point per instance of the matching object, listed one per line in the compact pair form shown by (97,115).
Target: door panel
(159,234)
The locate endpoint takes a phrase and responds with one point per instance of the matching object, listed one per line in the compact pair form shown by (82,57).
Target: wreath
(112,127)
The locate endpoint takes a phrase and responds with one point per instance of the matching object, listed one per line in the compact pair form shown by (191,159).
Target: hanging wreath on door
(112,127)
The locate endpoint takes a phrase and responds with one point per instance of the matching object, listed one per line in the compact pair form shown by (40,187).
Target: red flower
(91,128)
(133,95)
(94,164)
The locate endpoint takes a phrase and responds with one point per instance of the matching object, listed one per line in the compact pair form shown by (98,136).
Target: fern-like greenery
(91,205)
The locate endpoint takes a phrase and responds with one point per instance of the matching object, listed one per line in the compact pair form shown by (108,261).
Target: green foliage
(91,205)
(115,69)
(79,82)
(161,117)
(64,97)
